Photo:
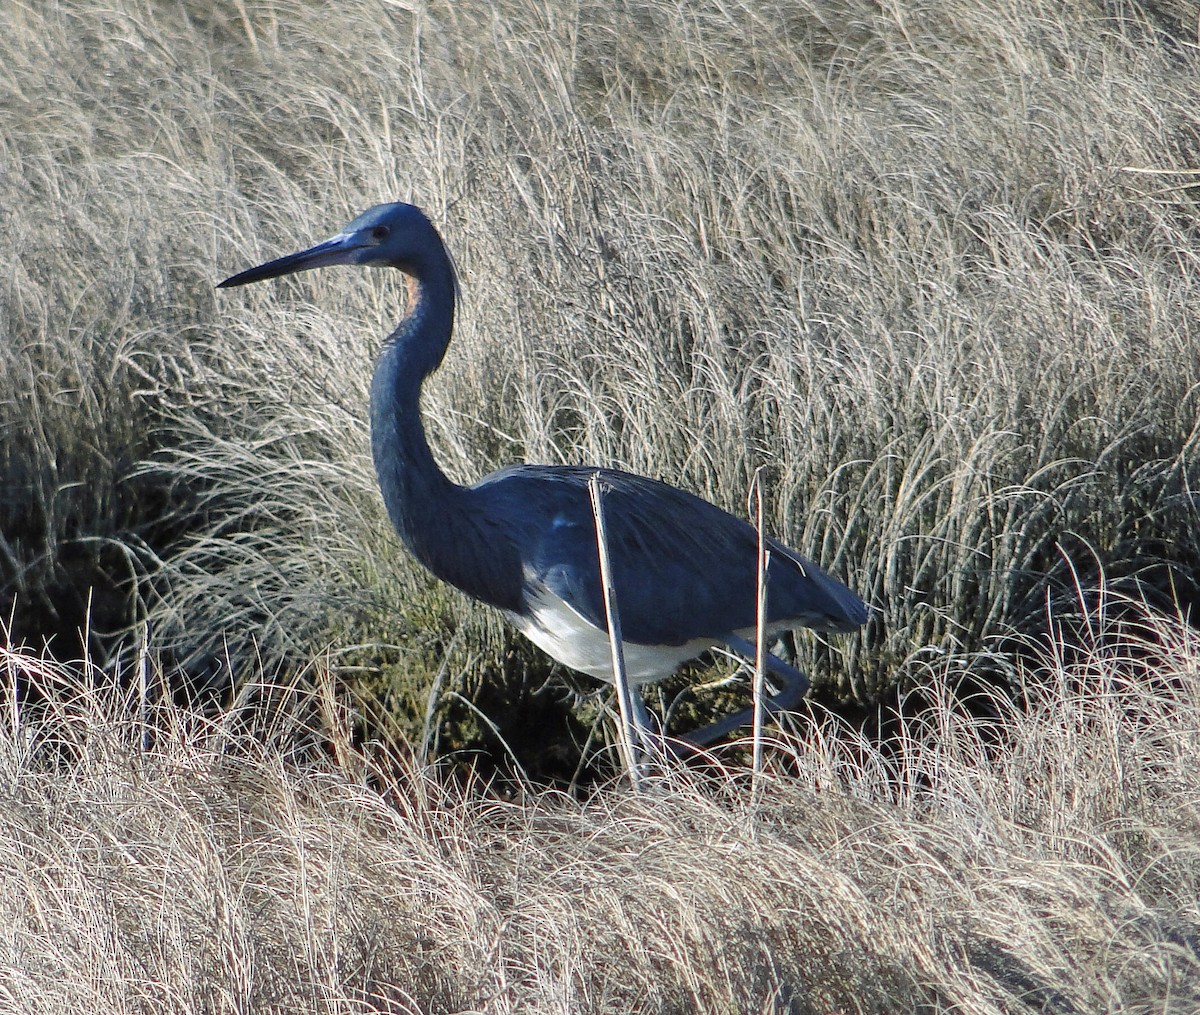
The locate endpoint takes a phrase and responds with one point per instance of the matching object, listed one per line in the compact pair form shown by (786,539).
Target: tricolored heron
(523,538)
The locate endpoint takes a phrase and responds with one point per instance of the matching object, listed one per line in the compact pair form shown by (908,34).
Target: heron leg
(795,687)
(641,715)
(643,733)
(795,682)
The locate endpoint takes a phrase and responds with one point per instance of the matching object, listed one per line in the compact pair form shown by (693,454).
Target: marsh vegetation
(932,265)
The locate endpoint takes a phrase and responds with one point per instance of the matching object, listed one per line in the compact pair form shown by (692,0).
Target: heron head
(394,235)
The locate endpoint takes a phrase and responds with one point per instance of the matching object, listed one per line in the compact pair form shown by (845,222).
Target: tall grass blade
(632,736)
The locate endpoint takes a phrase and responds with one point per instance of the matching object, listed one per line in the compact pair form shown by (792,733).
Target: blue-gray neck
(420,499)
(443,524)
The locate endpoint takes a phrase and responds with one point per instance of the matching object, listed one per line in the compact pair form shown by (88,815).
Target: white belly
(560,632)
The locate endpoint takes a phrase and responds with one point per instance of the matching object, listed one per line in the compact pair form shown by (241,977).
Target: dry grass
(935,268)
(933,264)
(261,861)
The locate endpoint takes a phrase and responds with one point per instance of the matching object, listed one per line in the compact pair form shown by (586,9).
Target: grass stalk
(760,635)
(632,736)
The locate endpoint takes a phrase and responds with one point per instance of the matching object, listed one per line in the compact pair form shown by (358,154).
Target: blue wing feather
(683,568)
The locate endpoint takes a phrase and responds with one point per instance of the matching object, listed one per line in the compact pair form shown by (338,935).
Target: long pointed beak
(341,249)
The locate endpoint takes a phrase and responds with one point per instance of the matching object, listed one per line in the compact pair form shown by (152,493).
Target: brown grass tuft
(262,860)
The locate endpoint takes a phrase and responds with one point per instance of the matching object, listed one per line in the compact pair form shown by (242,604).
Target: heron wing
(682,568)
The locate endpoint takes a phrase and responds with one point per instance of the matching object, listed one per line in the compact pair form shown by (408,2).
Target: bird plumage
(523,538)
(683,568)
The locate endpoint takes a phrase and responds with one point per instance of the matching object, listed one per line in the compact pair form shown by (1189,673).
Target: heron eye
(380,233)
